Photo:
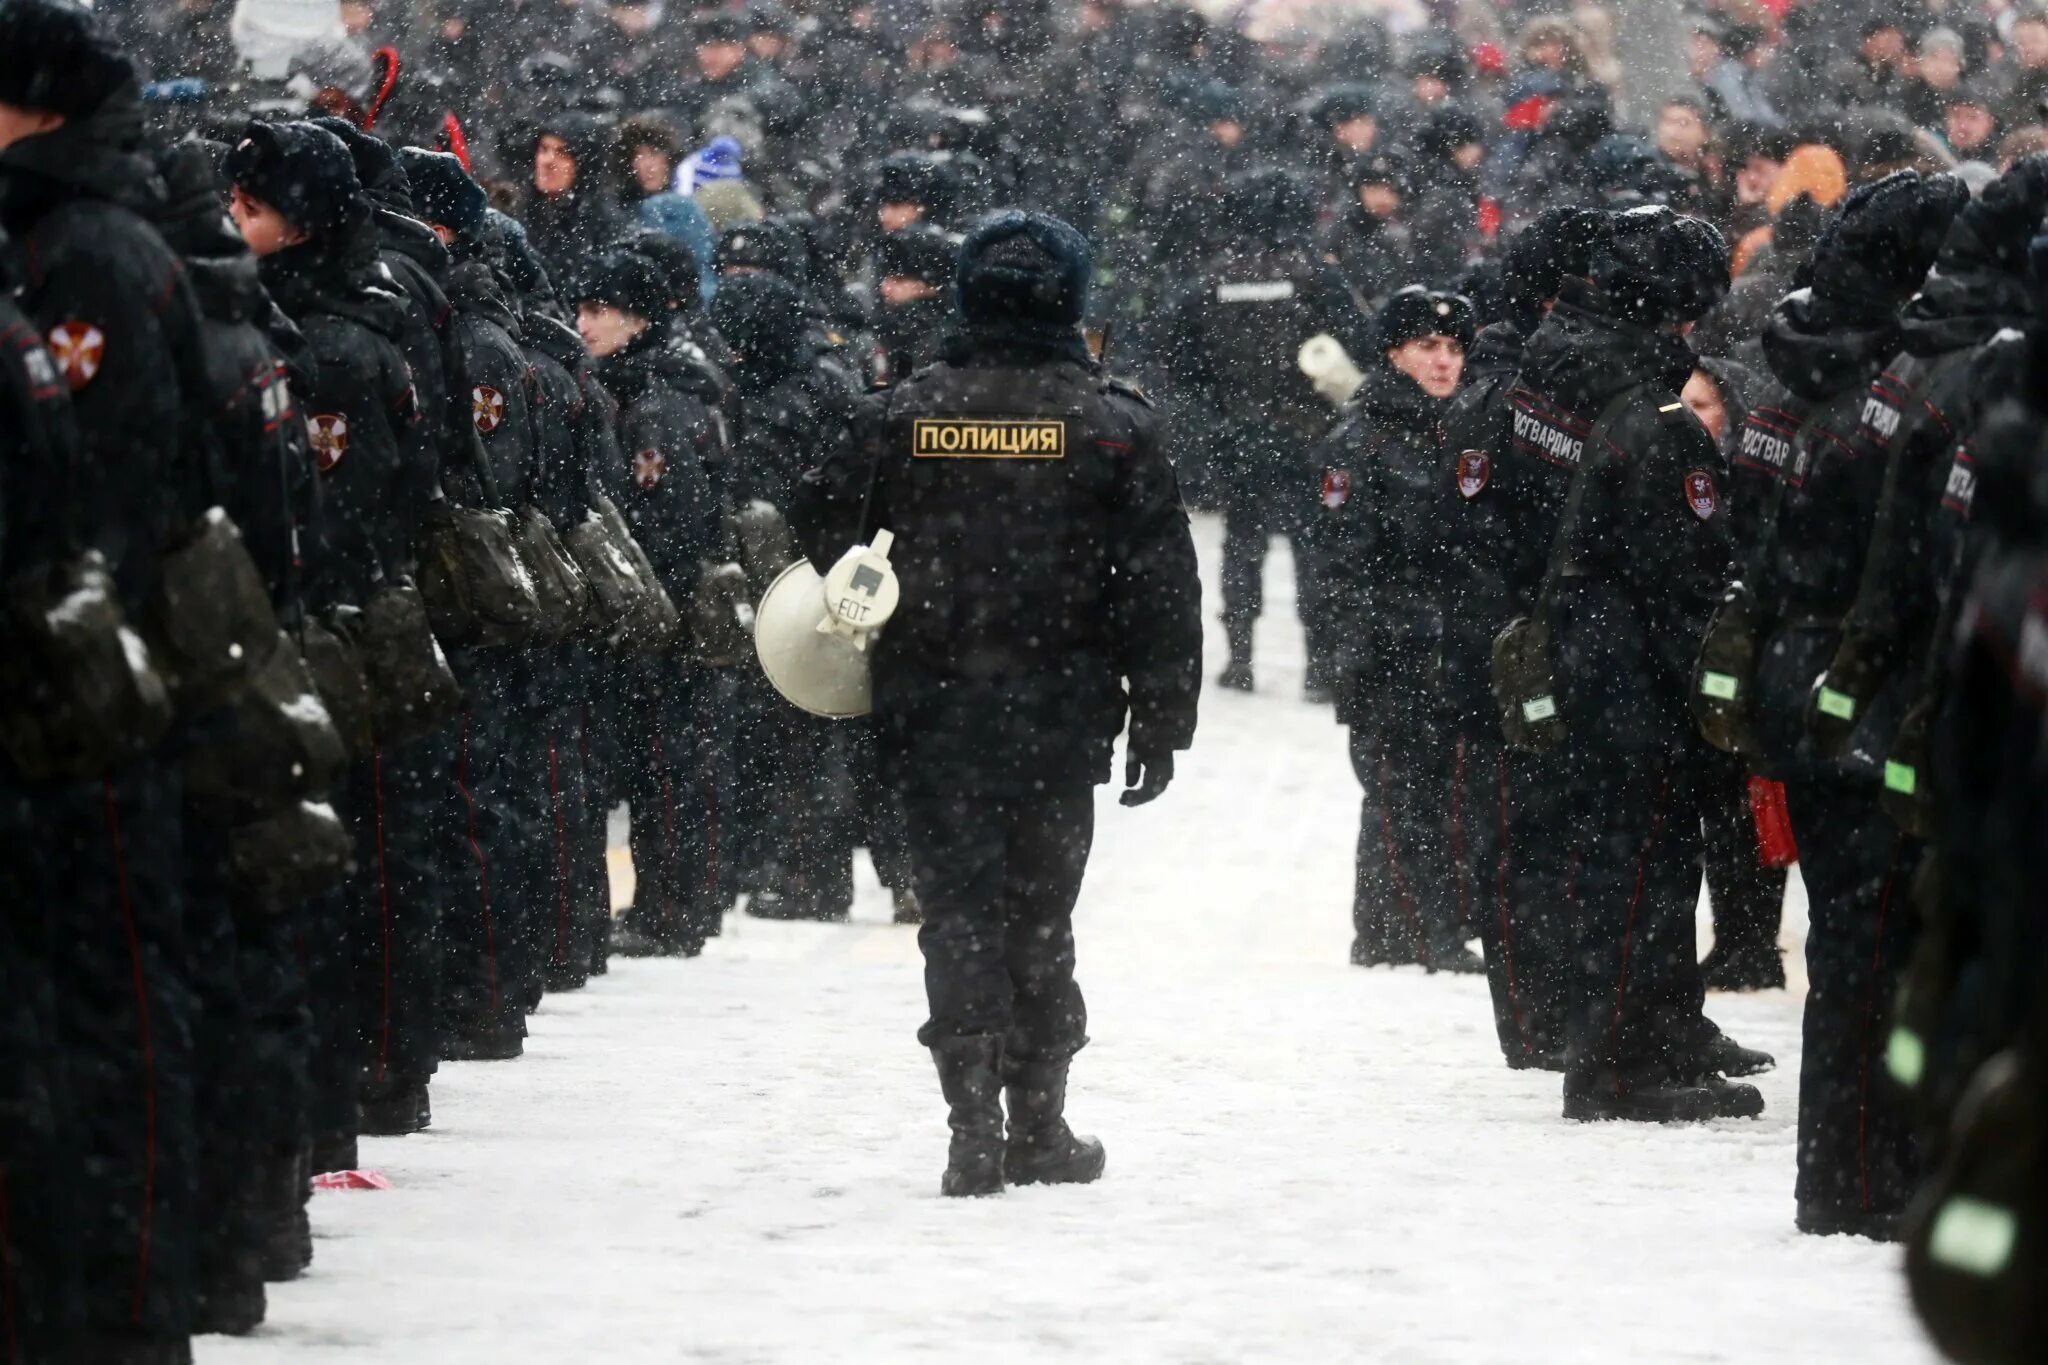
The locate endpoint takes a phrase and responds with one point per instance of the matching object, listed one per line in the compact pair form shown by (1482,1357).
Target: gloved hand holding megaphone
(812,634)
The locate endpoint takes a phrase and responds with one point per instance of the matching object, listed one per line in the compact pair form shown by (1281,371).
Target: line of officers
(348,585)
(1552,606)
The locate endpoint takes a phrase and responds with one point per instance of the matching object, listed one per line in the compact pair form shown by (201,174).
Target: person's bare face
(607,330)
(896,217)
(1429,90)
(898,290)
(1703,397)
(1754,181)
(716,61)
(1379,200)
(768,47)
(1227,131)
(1942,68)
(1435,363)
(1681,134)
(1469,155)
(261,226)
(1970,126)
(357,16)
(651,170)
(1702,55)
(18,124)
(554,170)
(1356,134)
(1549,54)
(1884,47)
(2031,38)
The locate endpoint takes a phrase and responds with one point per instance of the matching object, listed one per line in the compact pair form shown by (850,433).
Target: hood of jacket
(1582,356)
(100,156)
(1816,357)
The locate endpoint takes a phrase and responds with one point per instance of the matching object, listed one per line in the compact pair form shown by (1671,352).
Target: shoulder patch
(487,406)
(78,348)
(1475,472)
(648,467)
(329,434)
(1114,384)
(1701,495)
(1336,488)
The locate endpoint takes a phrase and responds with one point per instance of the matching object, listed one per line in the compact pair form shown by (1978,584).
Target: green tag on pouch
(1543,708)
(1719,686)
(1905,1056)
(1840,705)
(1973,1236)
(1902,778)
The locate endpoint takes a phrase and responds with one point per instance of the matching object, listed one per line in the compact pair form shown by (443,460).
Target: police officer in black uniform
(39,445)
(303,213)
(1503,494)
(1231,338)
(117,318)
(1640,564)
(1046,596)
(661,708)
(1824,346)
(1379,543)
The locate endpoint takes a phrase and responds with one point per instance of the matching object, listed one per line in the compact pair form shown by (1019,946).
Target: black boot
(971,1078)
(229,1298)
(601,947)
(1654,1102)
(104,1347)
(335,1152)
(1238,676)
(1721,1055)
(396,1106)
(908,911)
(1043,1150)
(287,1233)
(1744,967)
(1456,958)
(1819,1220)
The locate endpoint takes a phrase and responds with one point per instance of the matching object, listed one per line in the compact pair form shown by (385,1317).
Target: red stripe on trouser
(1507,931)
(1394,866)
(1884,906)
(483,866)
(561,857)
(1458,833)
(1628,932)
(144,1222)
(7,1279)
(384,893)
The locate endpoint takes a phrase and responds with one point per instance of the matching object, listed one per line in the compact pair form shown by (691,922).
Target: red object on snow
(1775,846)
(1528,116)
(351,1180)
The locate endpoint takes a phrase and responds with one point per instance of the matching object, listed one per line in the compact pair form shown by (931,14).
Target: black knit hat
(1417,311)
(1343,102)
(1556,246)
(58,57)
(303,172)
(918,252)
(1026,267)
(445,193)
(918,178)
(1873,254)
(1658,267)
(628,281)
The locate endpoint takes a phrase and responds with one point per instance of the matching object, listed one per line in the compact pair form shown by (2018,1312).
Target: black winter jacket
(1037,583)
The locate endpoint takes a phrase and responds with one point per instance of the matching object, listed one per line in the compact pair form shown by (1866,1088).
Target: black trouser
(998,877)
(398,801)
(38,1188)
(107,855)
(1518,850)
(1405,897)
(878,807)
(489,852)
(668,717)
(1250,521)
(1748,898)
(1634,1007)
(1857,1152)
(577,899)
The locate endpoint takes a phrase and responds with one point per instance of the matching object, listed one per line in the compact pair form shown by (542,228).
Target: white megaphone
(1330,369)
(812,633)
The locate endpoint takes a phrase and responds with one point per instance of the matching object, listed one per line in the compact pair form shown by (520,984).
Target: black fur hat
(918,252)
(1658,267)
(1025,267)
(57,56)
(1873,254)
(305,173)
(769,245)
(628,281)
(444,191)
(677,263)
(377,165)
(1558,244)
(1417,311)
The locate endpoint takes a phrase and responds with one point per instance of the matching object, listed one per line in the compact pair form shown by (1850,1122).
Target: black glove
(1156,768)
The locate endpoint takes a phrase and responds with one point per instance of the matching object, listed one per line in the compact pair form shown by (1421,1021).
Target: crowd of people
(407,404)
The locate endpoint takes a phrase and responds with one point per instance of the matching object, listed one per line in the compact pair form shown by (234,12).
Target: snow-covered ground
(737,1159)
